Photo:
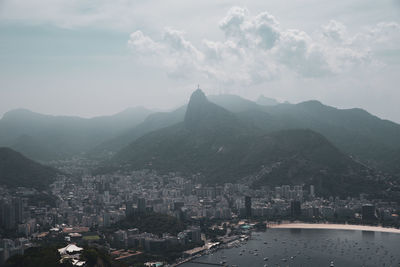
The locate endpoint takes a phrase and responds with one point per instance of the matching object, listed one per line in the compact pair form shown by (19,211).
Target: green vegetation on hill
(37,256)
(154,223)
(48,256)
(17,170)
(96,257)
(224,148)
(354,131)
(153,122)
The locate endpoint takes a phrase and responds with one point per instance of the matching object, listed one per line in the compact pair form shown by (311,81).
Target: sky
(91,58)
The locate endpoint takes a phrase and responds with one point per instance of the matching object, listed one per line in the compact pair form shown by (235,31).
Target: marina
(308,247)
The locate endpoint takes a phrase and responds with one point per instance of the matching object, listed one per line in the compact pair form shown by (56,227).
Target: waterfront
(310,247)
(331,226)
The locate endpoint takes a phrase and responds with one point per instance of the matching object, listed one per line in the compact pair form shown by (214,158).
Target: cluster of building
(11,247)
(133,238)
(99,201)
(19,221)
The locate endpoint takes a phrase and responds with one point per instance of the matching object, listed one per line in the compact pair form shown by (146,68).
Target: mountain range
(44,137)
(356,132)
(224,137)
(223,147)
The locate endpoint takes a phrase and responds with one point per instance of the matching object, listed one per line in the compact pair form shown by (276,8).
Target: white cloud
(233,22)
(254,48)
(384,35)
(294,52)
(266,30)
(299,53)
(143,44)
(257,49)
(335,31)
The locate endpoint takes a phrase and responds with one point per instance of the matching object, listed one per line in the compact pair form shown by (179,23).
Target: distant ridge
(46,137)
(266,101)
(219,145)
(357,133)
(16,170)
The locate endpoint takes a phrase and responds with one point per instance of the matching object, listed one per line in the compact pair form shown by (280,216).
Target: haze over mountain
(266,101)
(46,137)
(17,170)
(159,120)
(222,147)
(153,122)
(355,132)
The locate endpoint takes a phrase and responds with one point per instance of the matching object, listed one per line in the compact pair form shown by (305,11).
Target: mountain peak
(197,108)
(17,113)
(266,101)
(197,97)
(201,113)
(312,104)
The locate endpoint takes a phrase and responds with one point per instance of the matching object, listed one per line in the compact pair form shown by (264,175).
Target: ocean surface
(310,247)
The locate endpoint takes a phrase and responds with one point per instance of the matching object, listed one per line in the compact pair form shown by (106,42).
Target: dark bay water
(310,247)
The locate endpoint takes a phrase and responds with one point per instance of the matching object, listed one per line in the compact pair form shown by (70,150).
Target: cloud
(334,31)
(142,43)
(299,53)
(256,49)
(266,30)
(172,52)
(261,30)
(384,35)
(233,22)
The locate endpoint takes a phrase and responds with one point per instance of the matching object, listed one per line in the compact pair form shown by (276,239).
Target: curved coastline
(329,226)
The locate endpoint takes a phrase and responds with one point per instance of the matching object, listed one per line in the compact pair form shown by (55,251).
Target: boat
(266,258)
(332,264)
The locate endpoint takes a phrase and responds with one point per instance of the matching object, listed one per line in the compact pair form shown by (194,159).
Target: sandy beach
(334,226)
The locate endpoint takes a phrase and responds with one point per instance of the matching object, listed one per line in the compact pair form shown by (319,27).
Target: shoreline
(331,226)
(299,225)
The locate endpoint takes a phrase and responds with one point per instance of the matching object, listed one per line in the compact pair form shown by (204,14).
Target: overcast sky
(89,58)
